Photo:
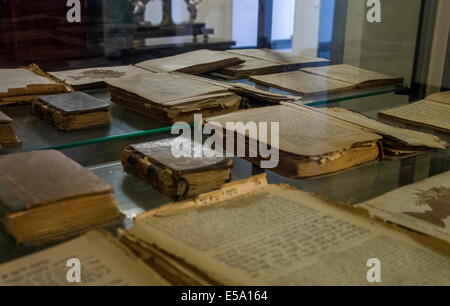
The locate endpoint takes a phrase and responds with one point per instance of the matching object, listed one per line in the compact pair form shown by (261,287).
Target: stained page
(424,113)
(103,261)
(83,77)
(442,97)
(278,56)
(302,83)
(423,206)
(275,235)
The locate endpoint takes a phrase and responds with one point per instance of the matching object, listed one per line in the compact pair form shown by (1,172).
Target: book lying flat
(267,61)
(170,97)
(310,143)
(326,80)
(72,111)
(104,262)
(8,135)
(433,112)
(50,197)
(89,78)
(196,62)
(397,143)
(252,233)
(24,84)
(423,207)
(177,177)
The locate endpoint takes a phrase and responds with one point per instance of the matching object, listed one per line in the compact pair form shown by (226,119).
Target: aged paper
(90,76)
(409,137)
(302,83)
(442,97)
(422,207)
(353,75)
(302,131)
(275,235)
(279,57)
(104,262)
(424,113)
(15,79)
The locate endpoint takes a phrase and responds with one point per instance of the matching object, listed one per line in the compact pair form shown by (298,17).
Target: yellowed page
(14,79)
(87,76)
(189,60)
(166,88)
(409,137)
(104,262)
(302,131)
(442,97)
(302,83)
(423,207)
(431,114)
(351,74)
(275,235)
(278,56)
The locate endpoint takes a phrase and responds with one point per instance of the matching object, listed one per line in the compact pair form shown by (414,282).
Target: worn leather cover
(75,103)
(38,178)
(160,152)
(4,118)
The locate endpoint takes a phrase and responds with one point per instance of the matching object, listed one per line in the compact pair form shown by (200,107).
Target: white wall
(283,19)
(306,27)
(245,22)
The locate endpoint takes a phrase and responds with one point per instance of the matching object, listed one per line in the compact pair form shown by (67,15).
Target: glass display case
(402,38)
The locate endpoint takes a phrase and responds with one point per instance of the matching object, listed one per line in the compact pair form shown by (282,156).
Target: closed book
(72,111)
(49,197)
(177,177)
(8,135)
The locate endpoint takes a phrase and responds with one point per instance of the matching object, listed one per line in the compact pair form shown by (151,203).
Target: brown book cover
(50,196)
(8,135)
(72,111)
(176,177)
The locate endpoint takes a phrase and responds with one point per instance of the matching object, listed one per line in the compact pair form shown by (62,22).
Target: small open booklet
(252,233)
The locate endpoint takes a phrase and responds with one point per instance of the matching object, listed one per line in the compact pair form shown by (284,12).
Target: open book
(267,61)
(423,207)
(433,112)
(171,97)
(89,78)
(252,233)
(397,142)
(326,79)
(195,62)
(103,262)
(24,84)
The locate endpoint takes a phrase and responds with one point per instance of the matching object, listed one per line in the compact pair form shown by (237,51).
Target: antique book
(89,78)
(24,84)
(72,111)
(423,207)
(8,135)
(397,143)
(170,98)
(433,112)
(309,143)
(195,62)
(50,197)
(177,177)
(362,78)
(104,262)
(326,79)
(267,61)
(252,233)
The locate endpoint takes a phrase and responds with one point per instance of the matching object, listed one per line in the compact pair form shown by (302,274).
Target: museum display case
(312,57)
